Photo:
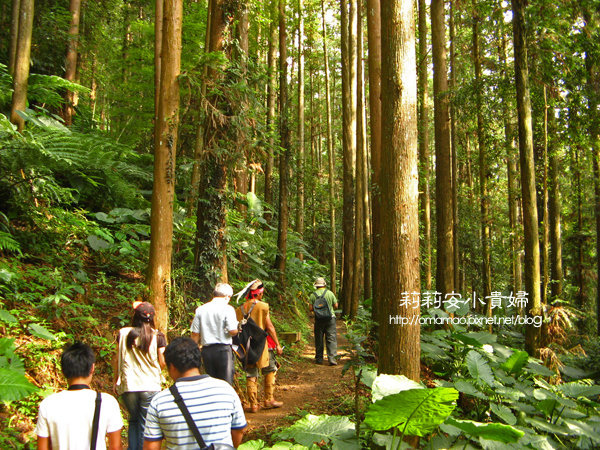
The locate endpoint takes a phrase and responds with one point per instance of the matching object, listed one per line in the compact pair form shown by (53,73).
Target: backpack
(250,341)
(321,307)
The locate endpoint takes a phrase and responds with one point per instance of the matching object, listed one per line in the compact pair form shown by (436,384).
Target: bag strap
(318,297)
(96,421)
(188,417)
(247,314)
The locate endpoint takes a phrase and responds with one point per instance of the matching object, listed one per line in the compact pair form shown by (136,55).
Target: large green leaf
(492,431)
(588,429)
(516,362)
(41,332)
(575,389)
(479,368)
(385,385)
(419,410)
(466,387)
(14,385)
(7,317)
(547,426)
(315,429)
(504,413)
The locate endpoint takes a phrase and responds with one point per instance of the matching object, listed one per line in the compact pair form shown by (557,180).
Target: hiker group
(199,410)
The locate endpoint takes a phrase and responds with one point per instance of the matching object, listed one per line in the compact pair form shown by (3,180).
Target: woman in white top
(137,367)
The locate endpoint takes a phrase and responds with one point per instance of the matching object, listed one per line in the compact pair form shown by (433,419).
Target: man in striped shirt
(213,404)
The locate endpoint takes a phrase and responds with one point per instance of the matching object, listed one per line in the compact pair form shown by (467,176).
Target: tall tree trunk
(545,224)
(284,171)
(443,164)
(483,168)
(271,103)
(71,60)
(301,157)
(158,36)
(349,33)
(359,211)
(454,151)
(511,170)
(593,86)
(165,146)
(14,36)
(399,256)
(554,207)
(199,144)
(423,90)
(530,215)
(243,143)
(330,156)
(374,42)
(22,61)
(210,253)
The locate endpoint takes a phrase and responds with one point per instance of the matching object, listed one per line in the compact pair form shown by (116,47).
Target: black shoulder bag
(192,425)
(96,421)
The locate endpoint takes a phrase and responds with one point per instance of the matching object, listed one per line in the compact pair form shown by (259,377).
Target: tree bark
(374,43)
(71,60)
(483,169)
(443,168)
(301,152)
(271,103)
(165,146)
(424,196)
(454,153)
(330,157)
(554,206)
(22,60)
(284,131)
(349,33)
(399,256)
(530,214)
(14,36)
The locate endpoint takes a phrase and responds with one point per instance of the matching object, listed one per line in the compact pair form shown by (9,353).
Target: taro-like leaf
(257,444)
(479,368)
(14,385)
(367,376)
(588,429)
(385,385)
(468,388)
(539,369)
(41,332)
(97,243)
(7,317)
(516,362)
(504,413)
(419,410)
(575,390)
(315,429)
(546,426)
(492,431)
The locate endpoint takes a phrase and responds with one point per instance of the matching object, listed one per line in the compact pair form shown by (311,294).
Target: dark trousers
(218,361)
(325,328)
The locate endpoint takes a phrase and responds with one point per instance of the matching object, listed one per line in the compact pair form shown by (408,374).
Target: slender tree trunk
(284,171)
(349,33)
(358,263)
(593,86)
(158,33)
(199,144)
(545,224)
(22,60)
(399,257)
(556,269)
(71,60)
(530,215)
(301,157)
(14,36)
(271,103)
(454,151)
(443,168)
(210,253)
(423,89)
(374,42)
(483,168)
(243,144)
(330,157)
(165,145)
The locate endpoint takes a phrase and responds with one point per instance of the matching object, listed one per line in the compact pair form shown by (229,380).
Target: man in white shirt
(214,324)
(65,418)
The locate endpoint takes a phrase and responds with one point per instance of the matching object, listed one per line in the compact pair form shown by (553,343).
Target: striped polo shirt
(213,404)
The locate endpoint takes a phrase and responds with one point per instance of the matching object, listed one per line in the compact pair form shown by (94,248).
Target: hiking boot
(252,390)
(270,401)
(332,362)
(318,361)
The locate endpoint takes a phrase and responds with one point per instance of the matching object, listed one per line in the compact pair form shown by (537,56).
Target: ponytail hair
(142,328)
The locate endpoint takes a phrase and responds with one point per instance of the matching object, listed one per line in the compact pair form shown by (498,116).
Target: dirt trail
(303,385)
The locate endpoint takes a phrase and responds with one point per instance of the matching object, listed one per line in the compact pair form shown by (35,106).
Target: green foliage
(13,384)
(336,430)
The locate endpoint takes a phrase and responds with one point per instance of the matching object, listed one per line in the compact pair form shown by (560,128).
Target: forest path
(302,385)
